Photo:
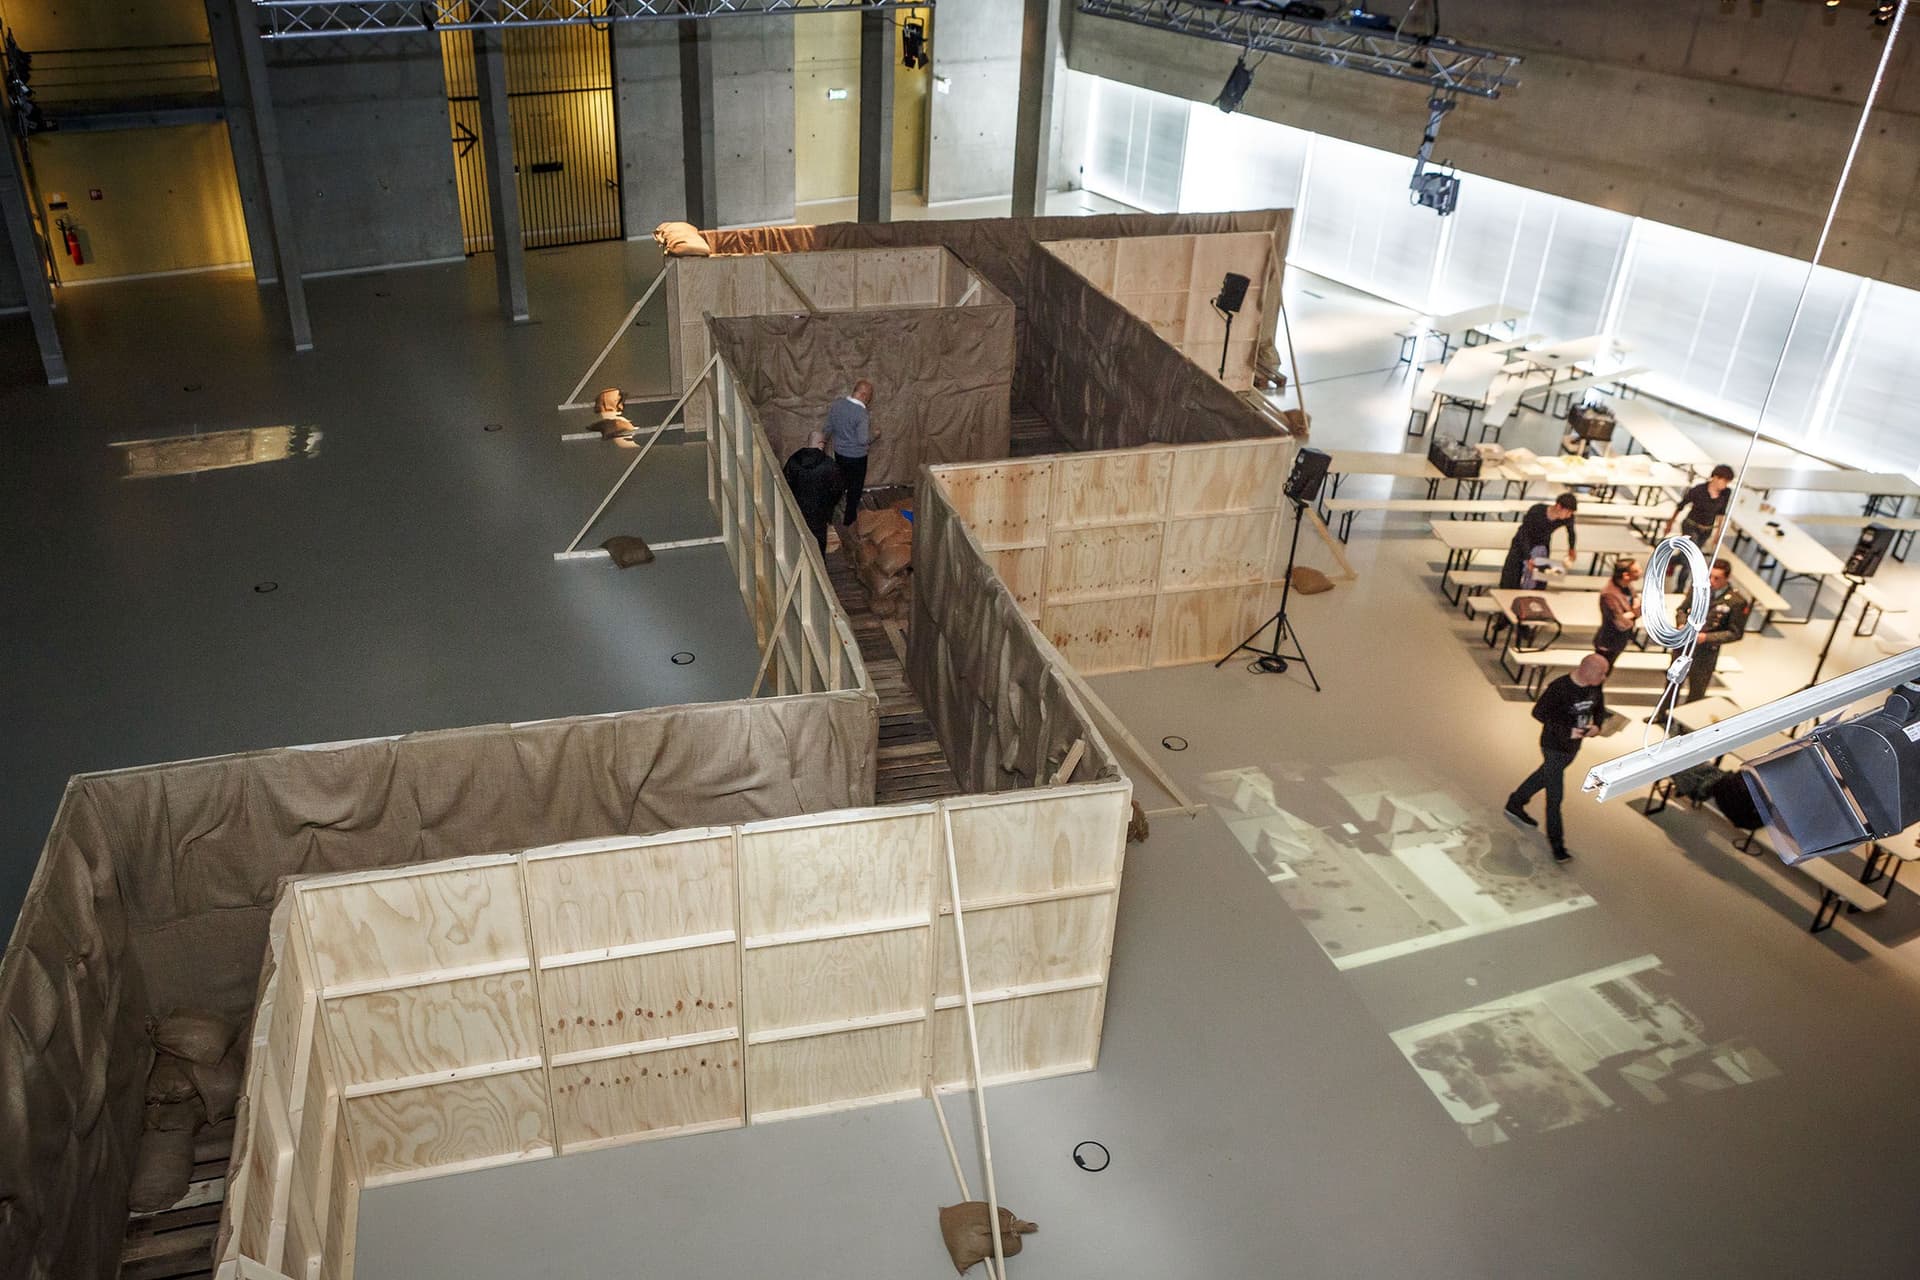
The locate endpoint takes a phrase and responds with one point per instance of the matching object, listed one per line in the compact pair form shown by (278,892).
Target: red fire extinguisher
(72,234)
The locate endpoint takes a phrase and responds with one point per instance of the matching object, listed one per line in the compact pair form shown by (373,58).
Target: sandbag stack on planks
(882,552)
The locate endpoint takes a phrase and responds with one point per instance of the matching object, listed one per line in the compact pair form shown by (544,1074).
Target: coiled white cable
(1662,629)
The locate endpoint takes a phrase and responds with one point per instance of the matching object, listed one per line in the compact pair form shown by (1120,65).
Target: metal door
(565,153)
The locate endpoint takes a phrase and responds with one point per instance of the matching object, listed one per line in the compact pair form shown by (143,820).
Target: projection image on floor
(214,451)
(1566,1052)
(1378,860)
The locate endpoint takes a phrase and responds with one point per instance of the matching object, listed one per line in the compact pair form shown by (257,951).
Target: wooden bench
(1533,665)
(1837,889)
(1903,527)
(1766,601)
(1460,584)
(1874,603)
(1472,508)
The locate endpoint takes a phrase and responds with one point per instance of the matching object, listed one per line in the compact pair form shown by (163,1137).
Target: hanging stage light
(913,44)
(1236,86)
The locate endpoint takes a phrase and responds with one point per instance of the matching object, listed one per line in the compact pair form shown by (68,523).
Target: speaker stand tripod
(1275,658)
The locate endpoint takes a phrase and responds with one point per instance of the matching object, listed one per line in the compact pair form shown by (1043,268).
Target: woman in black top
(1704,505)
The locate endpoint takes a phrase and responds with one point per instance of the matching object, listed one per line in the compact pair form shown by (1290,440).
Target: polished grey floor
(413,555)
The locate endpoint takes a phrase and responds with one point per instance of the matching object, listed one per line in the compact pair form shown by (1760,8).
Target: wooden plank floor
(1033,435)
(178,1244)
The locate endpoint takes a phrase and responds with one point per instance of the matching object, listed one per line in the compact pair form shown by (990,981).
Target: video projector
(1846,782)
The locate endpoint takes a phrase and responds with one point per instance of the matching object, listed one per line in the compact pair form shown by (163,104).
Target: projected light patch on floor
(1379,861)
(214,451)
(1544,1059)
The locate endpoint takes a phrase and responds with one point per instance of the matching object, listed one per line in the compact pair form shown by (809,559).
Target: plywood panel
(1195,626)
(1031,846)
(1032,943)
(302,1247)
(289,1013)
(652,891)
(1109,635)
(466,1122)
(1104,560)
(1217,550)
(1033,1035)
(1024,571)
(269,1165)
(343,1210)
(637,998)
(600,1102)
(833,874)
(809,983)
(1093,259)
(1005,504)
(845,1067)
(1113,487)
(389,927)
(1228,477)
(468,1022)
(828,278)
(311,1128)
(1166,312)
(1154,264)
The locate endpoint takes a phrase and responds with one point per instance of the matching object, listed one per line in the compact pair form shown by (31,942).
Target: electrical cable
(1653,598)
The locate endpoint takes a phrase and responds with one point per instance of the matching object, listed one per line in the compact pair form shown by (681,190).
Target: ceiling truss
(307,19)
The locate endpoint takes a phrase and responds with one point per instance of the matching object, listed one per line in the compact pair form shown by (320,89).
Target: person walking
(1704,507)
(1619,612)
(1725,623)
(1535,535)
(1571,710)
(851,432)
(815,482)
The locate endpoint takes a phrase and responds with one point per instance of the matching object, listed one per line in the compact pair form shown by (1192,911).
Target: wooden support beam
(652,439)
(573,397)
(973,1043)
(773,633)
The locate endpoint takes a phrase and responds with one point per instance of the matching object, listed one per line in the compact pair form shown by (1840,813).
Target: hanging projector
(1846,782)
(1238,81)
(1437,191)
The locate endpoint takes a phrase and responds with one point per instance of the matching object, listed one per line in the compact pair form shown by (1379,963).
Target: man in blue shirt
(851,435)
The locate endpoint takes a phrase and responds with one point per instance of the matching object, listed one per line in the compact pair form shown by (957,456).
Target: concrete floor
(1262,1119)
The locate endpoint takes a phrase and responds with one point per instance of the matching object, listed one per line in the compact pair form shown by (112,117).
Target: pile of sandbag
(882,551)
(199,1062)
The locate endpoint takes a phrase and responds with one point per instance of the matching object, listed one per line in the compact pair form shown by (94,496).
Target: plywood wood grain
(846,1067)
(1108,635)
(1207,551)
(808,983)
(1032,1035)
(1155,264)
(624,1097)
(1196,626)
(897,277)
(1053,841)
(400,925)
(639,998)
(1111,487)
(440,1026)
(269,1166)
(343,1209)
(466,1121)
(655,890)
(1106,560)
(1229,477)
(834,874)
(1024,571)
(1005,504)
(1032,943)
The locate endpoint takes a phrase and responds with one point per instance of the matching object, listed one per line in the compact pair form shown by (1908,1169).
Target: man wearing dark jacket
(815,482)
(1536,530)
(1725,623)
(1571,709)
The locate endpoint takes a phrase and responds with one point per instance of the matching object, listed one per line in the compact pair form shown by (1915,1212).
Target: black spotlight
(1846,782)
(913,44)
(1235,88)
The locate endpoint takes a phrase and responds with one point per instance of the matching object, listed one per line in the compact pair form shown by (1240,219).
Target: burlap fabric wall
(942,379)
(156,884)
(1005,715)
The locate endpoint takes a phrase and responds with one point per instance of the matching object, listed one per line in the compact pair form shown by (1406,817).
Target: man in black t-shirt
(1536,530)
(1572,709)
(1704,505)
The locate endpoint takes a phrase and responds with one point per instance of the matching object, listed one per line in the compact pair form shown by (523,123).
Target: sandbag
(969,1239)
(172,1116)
(879,526)
(628,551)
(193,1034)
(219,1085)
(169,1081)
(682,240)
(893,557)
(1309,581)
(1137,825)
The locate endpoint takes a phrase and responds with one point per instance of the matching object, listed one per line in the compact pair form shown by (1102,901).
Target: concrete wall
(366,140)
(976,49)
(646,113)
(753,119)
(1730,124)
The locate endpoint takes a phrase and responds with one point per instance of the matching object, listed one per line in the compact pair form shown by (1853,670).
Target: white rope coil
(1661,628)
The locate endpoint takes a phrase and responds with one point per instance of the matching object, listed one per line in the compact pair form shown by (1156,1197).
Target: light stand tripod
(1275,659)
(1227,342)
(1854,583)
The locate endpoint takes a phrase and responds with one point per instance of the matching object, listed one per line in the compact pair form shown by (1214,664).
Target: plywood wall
(1134,558)
(459,1015)
(1171,281)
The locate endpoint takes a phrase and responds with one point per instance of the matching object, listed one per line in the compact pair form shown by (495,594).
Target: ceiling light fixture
(1238,81)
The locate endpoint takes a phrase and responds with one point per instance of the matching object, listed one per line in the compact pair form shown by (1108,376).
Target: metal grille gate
(565,151)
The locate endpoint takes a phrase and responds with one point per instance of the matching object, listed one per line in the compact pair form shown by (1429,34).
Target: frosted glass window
(1710,317)
(1553,258)
(1136,139)
(1873,424)
(1358,227)
(1240,162)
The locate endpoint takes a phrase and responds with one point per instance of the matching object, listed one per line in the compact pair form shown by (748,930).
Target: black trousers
(853,483)
(817,522)
(1551,777)
(1515,565)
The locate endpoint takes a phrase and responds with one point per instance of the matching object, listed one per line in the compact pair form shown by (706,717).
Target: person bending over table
(1619,612)
(1705,506)
(1725,623)
(1570,710)
(1535,534)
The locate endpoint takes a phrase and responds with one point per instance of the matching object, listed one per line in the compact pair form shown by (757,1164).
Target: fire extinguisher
(72,233)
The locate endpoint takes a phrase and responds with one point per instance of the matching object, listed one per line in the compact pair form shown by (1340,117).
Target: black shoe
(1561,855)
(1519,815)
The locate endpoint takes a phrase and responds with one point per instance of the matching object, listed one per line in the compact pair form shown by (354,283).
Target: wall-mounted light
(836,95)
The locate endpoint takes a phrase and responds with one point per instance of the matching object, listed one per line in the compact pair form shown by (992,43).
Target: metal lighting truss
(1434,61)
(303,19)
(1664,759)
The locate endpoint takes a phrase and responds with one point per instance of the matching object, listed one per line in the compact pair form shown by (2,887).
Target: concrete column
(696,123)
(253,57)
(503,189)
(33,272)
(225,37)
(1033,131)
(876,117)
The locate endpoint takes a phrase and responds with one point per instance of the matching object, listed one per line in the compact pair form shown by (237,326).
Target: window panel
(1136,139)
(1359,227)
(1240,162)
(1872,424)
